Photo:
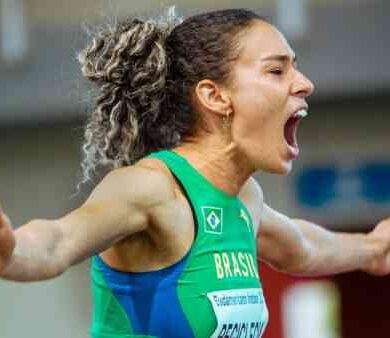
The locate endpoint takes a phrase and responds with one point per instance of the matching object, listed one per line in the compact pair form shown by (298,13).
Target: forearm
(36,255)
(334,252)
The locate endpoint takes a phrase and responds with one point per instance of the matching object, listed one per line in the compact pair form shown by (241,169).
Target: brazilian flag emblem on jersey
(213,220)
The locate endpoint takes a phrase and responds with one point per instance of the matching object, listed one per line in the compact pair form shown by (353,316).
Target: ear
(212,97)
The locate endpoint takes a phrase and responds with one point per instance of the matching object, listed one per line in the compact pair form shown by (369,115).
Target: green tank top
(214,291)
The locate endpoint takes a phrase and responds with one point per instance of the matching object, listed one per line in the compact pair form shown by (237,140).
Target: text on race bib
(240,313)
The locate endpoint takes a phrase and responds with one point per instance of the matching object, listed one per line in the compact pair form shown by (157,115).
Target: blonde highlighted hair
(145,72)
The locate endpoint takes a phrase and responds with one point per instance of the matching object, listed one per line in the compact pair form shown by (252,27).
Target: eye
(277,71)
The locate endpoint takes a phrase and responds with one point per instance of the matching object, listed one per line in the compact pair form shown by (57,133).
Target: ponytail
(128,66)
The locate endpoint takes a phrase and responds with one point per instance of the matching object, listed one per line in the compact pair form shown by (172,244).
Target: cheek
(251,107)
(256,132)
(259,95)
(259,104)
(257,117)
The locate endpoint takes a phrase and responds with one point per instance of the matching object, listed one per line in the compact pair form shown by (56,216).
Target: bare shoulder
(252,189)
(141,184)
(251,195)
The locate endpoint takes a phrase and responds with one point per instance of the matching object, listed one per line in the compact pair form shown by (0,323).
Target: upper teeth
(301,113)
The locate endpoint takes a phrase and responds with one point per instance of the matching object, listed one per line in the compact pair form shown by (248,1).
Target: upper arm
(281,242)
(118,207)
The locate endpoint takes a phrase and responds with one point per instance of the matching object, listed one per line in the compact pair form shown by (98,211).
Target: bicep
(117,208)
(93,228)
(280,240)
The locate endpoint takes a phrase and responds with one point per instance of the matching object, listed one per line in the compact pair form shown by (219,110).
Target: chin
(281,168)
(279,165)
(287,167)
(287,171)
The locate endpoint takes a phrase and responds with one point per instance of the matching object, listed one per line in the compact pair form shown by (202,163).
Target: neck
(221,164)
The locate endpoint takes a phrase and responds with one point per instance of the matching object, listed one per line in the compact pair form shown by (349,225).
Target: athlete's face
(267,93)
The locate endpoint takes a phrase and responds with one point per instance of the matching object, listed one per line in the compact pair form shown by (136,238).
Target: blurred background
(342,179)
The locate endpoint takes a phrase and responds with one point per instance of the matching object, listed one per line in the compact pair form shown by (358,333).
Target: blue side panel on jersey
(150,299)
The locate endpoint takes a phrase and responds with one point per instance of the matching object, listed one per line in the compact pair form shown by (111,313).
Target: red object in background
(365,303)
(274,284)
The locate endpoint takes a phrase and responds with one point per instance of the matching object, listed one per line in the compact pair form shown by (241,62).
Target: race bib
(240,313)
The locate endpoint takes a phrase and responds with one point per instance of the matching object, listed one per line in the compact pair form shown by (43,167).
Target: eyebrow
(281,58)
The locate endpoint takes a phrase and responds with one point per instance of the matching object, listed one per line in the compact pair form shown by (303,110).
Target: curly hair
(145,72)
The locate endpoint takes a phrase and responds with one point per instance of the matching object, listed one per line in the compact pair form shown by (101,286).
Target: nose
(302,86)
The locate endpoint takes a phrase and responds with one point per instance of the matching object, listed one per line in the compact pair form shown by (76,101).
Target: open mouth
(291,126)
